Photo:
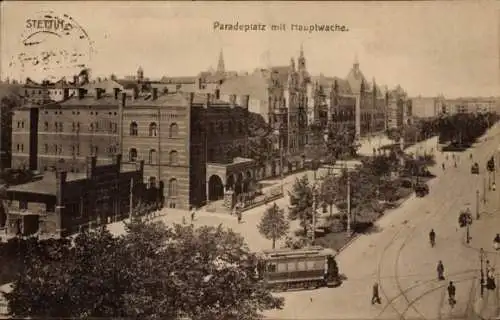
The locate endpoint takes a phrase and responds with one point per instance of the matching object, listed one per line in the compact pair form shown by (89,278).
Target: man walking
(451,293)
(440,270)
(193,213)
(375,294)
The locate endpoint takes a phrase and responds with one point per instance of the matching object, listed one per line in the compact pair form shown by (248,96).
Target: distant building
(471,105)
(353,102)
(427,107)
(63,203)
(399,109)
(279,95)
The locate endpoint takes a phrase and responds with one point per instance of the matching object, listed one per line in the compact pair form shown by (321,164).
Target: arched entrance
(215,188)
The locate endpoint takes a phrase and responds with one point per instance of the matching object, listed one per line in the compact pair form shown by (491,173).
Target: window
(46,148)
(96,150)
(56,125)
(172,157)
(22,124)
(153,131)
(230,127)
(60,149)
(152,156)
(172,187)
(96,126)
(221,128)
(133,154)
(18,147)
(46,126)
(60,126)
(77,126)
(152,182)
(73,127)
(173,130)
(73,150)
(77,149)
(133,129)
(240,127)
(91,127)
(55,149)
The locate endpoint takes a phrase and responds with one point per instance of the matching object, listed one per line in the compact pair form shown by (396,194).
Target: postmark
(52,45)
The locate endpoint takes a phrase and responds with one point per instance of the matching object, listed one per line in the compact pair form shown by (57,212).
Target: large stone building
(352,101)
(63,203)
(279,95)
(192,144)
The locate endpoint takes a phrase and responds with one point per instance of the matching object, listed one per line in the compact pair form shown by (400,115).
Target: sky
(429,48)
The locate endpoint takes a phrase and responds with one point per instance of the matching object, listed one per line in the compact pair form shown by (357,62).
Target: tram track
(403,292)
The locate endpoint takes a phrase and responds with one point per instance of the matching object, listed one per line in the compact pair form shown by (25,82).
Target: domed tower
(140,74)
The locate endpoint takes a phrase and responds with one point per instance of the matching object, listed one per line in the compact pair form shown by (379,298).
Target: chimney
(116,91)
(118,160)
(191,98)
(91,164)
(207,101)
(155,93)
(136,93)
(81,93)
(124,98)
(65,93)
(246,100)
(60,182)
(232,100)
(98,92)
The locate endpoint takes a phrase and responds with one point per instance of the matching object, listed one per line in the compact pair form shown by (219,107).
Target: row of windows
(173,156)
(75,149)
(20,124)
(78,112)
(93,127)
(20,147)
(173,130)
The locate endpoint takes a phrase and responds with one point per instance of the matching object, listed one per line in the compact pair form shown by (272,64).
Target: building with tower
(280,95)
(351,101)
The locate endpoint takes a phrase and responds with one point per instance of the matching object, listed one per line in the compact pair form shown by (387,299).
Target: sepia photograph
(244,160)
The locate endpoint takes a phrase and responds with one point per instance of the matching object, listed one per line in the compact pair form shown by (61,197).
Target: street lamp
(314,208)
(481,257)
(280,147)
(477,205)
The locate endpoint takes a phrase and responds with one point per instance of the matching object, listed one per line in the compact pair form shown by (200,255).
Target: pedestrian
(440,270)
(493,186)
(239,216)
(451,293)
(193,213)
(375,294)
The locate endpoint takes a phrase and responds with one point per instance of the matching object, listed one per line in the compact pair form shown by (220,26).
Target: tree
(301,201)
(151,272)
(274,225)
(330,191)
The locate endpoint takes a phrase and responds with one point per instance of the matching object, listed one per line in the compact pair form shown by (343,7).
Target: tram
(307,268)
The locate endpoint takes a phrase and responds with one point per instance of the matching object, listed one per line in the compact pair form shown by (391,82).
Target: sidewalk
(482,232)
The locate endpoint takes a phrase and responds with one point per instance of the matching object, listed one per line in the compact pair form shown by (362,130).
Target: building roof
(108,85)
(173,99)
(89,100)
(46,186)
(328,82)
(180,80)
(255,85)
(355,77)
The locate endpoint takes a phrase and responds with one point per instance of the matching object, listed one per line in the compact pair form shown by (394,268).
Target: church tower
(221,68)
(140,74)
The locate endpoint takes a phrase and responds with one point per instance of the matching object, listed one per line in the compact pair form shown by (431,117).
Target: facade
(180,136)
(59,135)
(470,105)
(427,107)
(351,102)
(399,109)
(279,95)
(63,203)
